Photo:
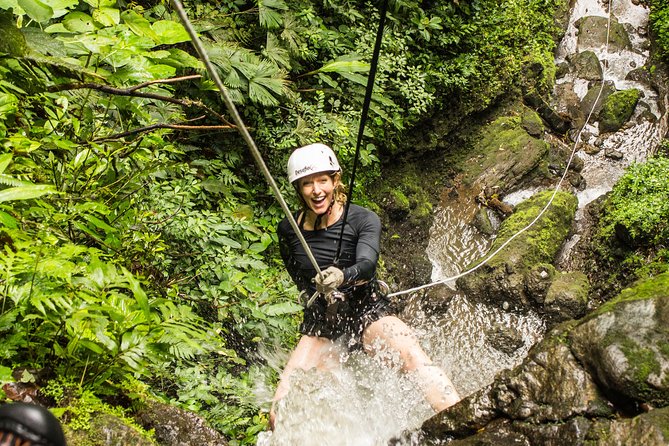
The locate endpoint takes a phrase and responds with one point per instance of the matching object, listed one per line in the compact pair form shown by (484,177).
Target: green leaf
(36,10)
(8,106)
(139,25)
(281,308)
(8,221)
(6,158)
(107,16)
(343,66)
(79,22)
(25,192)
(170,32)
(140,296)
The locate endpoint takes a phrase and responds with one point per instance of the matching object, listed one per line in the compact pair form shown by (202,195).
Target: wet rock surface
(574,382)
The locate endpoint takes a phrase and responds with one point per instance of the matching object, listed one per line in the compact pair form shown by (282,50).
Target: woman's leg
(391,333)
(311,352)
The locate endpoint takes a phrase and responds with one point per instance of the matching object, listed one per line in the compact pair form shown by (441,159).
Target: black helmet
(33,423)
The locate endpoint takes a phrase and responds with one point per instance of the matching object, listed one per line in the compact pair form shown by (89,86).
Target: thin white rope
(550,201)
(213,74)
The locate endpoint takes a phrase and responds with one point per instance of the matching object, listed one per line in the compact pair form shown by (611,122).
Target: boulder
(625,343)
(504,154)
(592,34)
(617,109)
(585,65)
(520,274)
(567,297)
(177,427)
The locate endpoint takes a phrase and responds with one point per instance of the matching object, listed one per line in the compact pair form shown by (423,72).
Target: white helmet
(310,159)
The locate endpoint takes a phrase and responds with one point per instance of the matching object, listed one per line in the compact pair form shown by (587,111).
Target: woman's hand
(329,280)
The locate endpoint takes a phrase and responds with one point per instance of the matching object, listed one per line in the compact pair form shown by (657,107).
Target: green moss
(642,362)
(546,235)
(617,109)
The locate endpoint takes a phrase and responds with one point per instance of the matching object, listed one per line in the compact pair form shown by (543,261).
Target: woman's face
(318,191)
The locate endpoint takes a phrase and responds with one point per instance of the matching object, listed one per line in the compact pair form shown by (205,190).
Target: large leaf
(268,13)
(78,22)
(139,25)
(36,10)
(25,192)
(343,66)
(170,32)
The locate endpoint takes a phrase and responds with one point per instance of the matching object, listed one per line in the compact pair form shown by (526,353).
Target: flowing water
(364,401)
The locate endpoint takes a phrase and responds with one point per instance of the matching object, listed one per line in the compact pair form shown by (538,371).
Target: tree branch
(152,127)
(132,91)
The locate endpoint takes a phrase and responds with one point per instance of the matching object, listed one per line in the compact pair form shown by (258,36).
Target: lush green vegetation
(137,237)
(631,242)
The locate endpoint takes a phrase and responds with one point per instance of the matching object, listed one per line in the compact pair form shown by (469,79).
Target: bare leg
(311,352)
(391,333)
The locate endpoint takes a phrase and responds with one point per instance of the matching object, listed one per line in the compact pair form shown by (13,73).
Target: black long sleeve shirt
(359,250)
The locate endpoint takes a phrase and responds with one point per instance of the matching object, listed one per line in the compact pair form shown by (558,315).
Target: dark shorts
(348,318)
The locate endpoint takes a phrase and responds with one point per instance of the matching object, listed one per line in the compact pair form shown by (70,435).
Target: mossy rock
(504,152)
(567,297)
(106,430)
(506,276)
(617,109)
(626,342)
(586,66)
(593,34)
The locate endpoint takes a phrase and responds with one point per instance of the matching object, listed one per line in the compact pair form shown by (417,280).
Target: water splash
(365,401)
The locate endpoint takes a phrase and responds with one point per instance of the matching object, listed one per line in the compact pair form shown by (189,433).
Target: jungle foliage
(138,240)
(631,241)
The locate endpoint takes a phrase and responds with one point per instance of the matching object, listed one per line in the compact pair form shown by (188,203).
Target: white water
(364,402)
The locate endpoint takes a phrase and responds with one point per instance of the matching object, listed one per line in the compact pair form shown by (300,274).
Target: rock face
(625,344)
(521,275)
(573,383)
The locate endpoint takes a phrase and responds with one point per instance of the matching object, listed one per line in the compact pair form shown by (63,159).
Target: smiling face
(317,190)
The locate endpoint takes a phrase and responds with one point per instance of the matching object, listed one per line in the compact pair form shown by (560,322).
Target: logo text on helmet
(304,169)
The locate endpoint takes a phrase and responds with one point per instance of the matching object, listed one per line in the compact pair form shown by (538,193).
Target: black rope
(363,119)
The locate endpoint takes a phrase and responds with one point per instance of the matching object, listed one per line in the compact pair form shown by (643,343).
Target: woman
(349,301)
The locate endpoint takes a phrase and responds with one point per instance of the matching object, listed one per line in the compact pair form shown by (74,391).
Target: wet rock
(586,66)
(177,427)
(640,74)
(549,386)
(625,345)
(505,276)
(591,150)
(558,123)
(576,180)
(567,297)
(588,103)
(592,34)
(562,69)
(532,123)
(613,154)
(537,281)
(576,164)
(483,223)
(505,339)
(617,109)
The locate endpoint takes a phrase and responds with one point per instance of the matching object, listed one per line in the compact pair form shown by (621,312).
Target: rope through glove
(329,280)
